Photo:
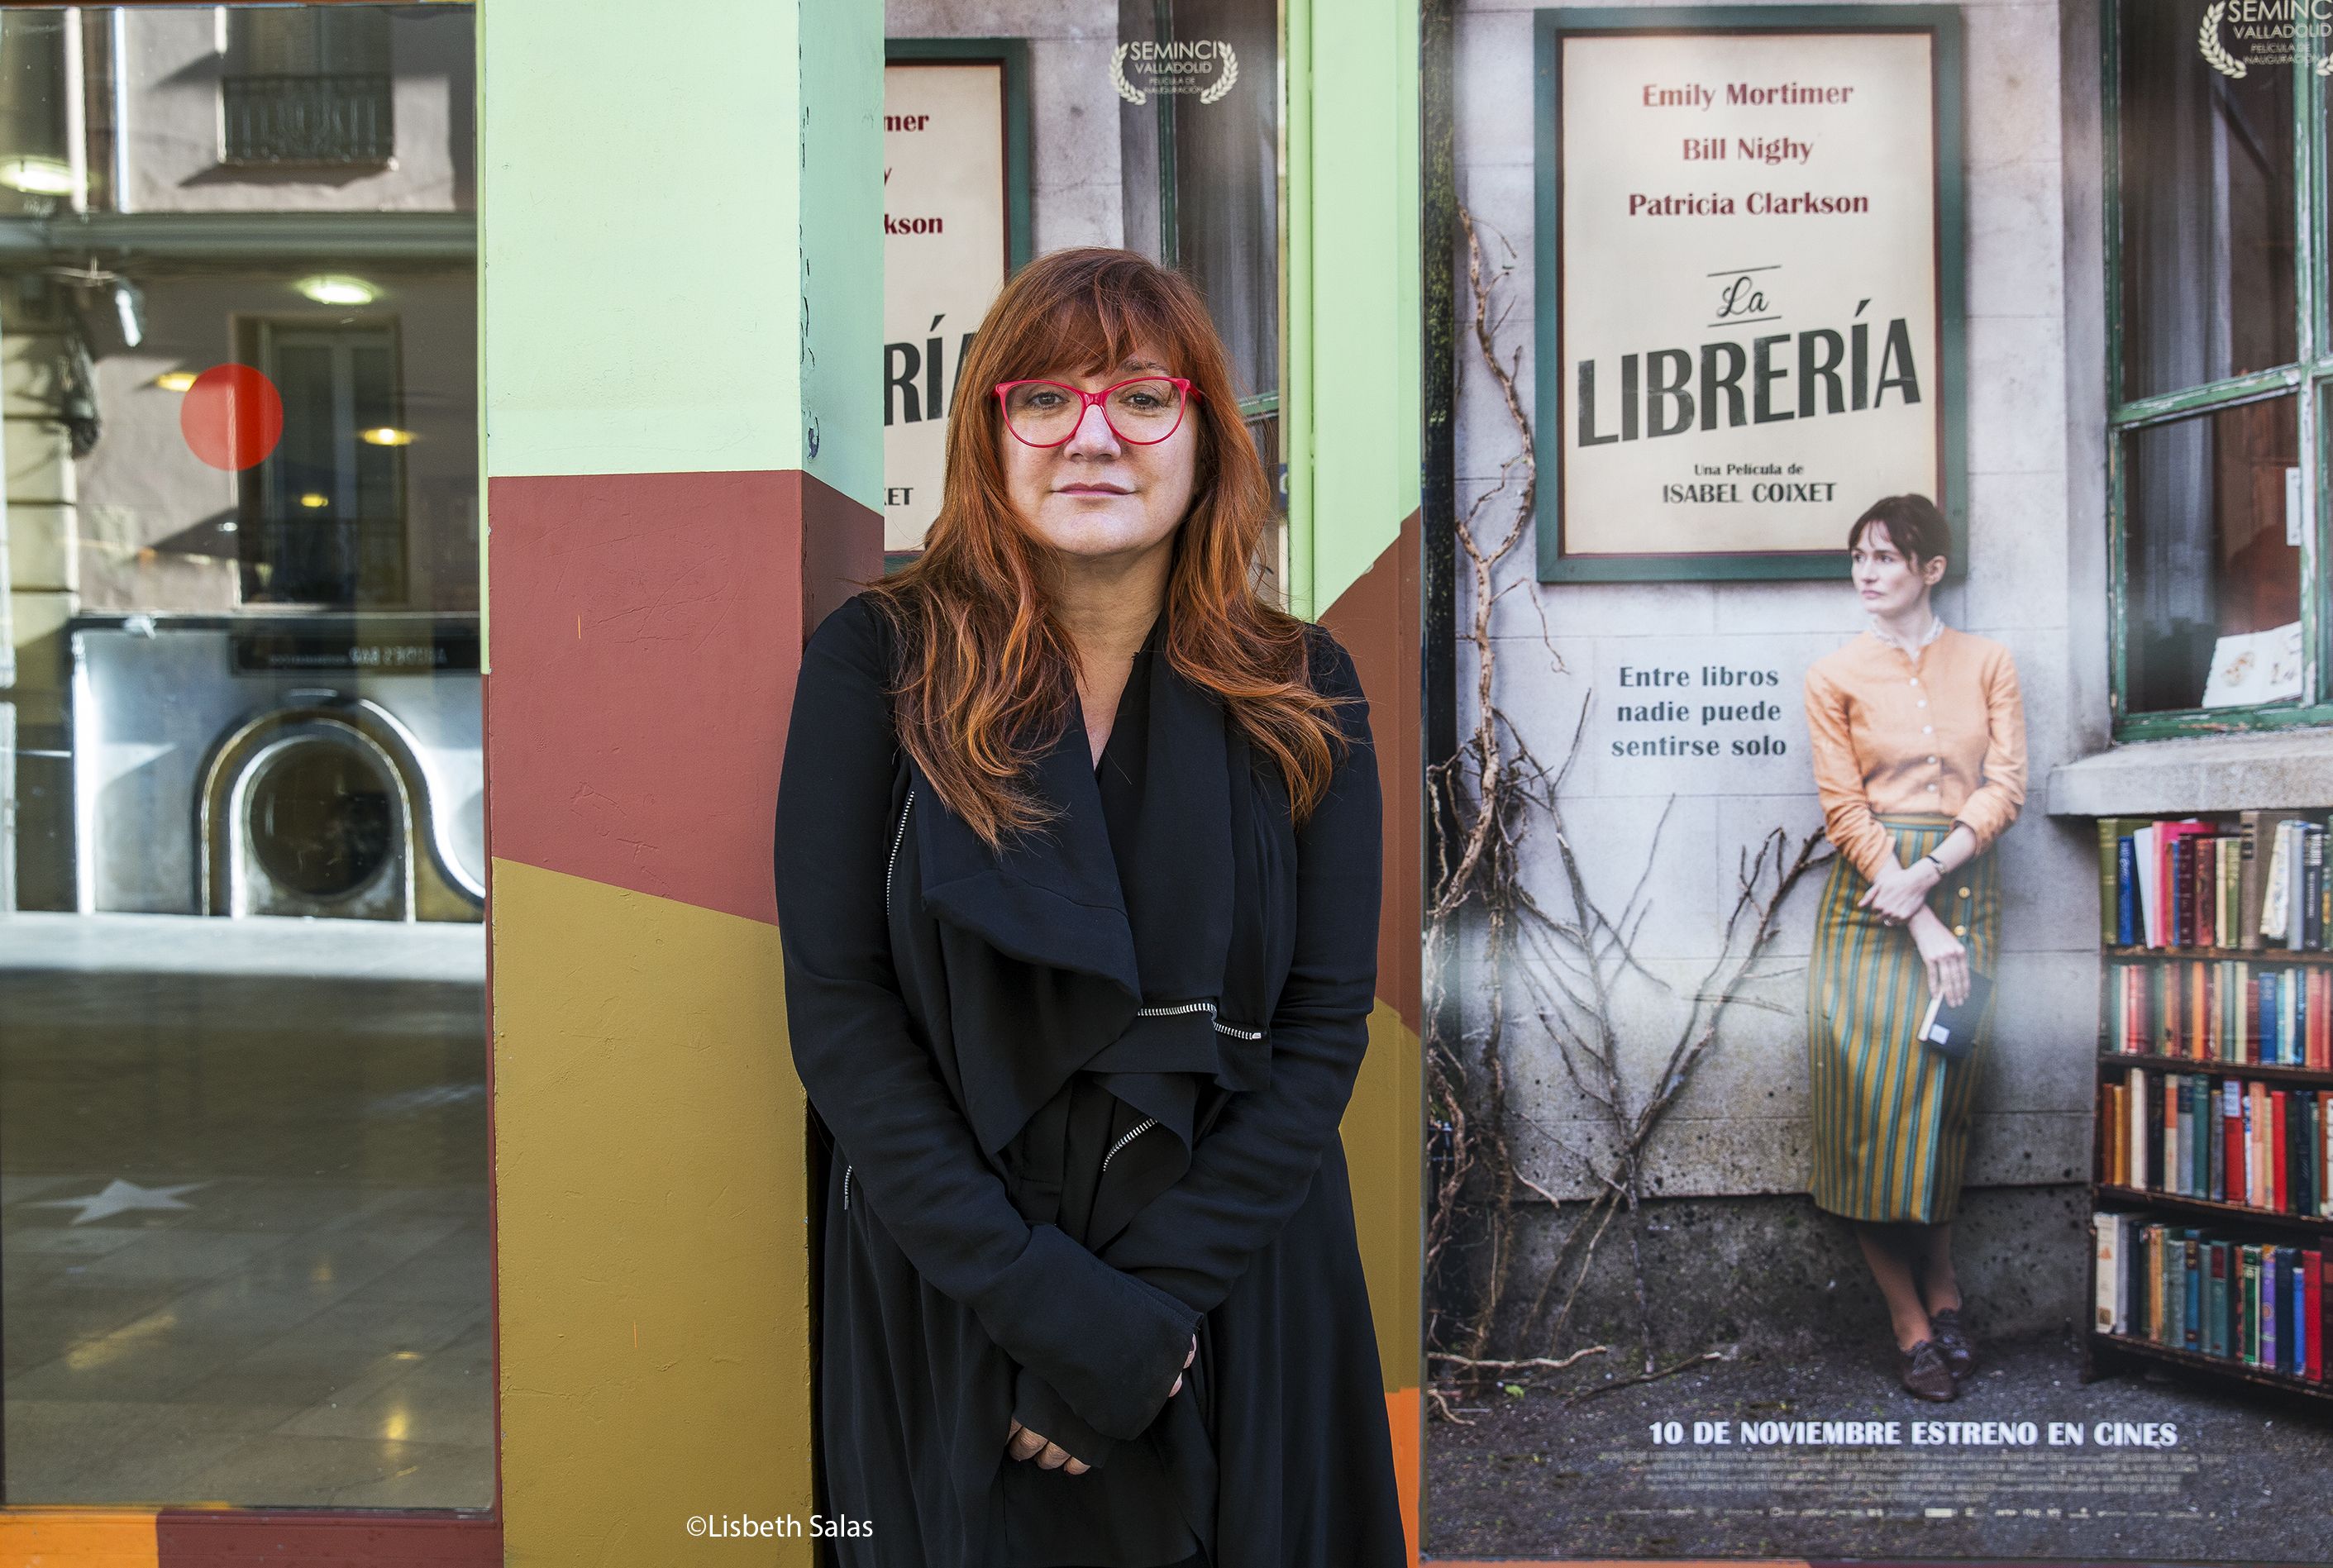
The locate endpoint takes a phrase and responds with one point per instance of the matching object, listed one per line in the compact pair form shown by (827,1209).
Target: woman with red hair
(1078,866)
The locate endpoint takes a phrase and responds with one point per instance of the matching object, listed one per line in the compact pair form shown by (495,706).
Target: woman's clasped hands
(1026,1444)
(1898,891)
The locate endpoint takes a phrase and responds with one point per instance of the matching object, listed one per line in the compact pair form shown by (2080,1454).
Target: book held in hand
(1952,1030)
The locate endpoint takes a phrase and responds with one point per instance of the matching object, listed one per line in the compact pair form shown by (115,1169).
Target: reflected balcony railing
(324,561)
(328,119)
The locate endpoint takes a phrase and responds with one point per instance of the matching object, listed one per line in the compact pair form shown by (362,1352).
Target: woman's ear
(1931,570)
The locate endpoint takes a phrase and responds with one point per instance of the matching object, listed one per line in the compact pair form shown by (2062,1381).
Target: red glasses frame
(1096,399)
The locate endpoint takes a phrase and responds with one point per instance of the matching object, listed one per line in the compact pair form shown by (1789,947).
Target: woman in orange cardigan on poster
(1919,759)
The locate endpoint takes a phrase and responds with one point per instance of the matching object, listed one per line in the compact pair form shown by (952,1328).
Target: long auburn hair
(987,673)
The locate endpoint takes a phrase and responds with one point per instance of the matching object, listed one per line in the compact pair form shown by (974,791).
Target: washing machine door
(311,816)
(321,828)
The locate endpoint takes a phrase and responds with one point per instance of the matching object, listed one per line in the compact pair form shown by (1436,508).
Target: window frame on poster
(1943,26)
(1012,55)
(2308,379)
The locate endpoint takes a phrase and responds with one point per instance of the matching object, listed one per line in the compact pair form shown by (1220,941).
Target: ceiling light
(335,289)
(386,435)
(174,381)
(36,175)
(314,499)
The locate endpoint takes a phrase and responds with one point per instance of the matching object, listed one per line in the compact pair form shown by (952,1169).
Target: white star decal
(118,1198)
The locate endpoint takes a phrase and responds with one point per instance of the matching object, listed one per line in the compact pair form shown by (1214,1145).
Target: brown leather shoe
(1924,1373)
(1953,1339)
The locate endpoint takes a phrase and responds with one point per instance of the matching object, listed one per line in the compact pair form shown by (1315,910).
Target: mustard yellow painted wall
(652,1270)
(1383,1128)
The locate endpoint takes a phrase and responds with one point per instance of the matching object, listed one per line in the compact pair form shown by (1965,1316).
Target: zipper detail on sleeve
(847,1169)
(1135,1132)
(1177,1008)
(1207,1007)
(896,839)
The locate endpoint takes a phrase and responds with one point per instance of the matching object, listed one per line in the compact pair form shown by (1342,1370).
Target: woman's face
(1889,583)
(1096,496)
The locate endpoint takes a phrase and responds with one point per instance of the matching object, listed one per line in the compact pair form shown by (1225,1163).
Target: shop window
(2219,360)
(244,1168)
(307,85)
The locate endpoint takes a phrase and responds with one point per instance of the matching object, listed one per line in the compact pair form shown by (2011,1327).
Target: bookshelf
(2212,1152)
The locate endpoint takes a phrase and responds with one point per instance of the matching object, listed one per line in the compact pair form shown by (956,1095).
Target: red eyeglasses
(1142,412)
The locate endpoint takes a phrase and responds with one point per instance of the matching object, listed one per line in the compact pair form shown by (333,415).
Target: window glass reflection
(243,1136)
(2207,203)
(2214,525)
(1199,163)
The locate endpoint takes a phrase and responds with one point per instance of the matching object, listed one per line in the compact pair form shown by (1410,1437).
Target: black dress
(1084,1099)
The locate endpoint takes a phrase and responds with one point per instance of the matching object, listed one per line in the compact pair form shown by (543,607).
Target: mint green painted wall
(1358,101)
(842,183)
(680,238)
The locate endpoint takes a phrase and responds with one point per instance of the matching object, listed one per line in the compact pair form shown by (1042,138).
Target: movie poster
(945,238)
(1744,1240)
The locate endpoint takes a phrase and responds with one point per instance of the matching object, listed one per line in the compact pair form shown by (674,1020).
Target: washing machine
(320,765)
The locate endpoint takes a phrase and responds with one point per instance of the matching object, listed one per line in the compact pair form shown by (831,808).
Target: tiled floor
(310,1327)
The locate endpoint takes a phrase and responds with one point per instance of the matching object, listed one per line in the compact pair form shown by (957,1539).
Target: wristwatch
(1939,865)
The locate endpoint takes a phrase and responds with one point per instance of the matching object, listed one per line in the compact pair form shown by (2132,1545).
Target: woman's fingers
(1948,975)
(1188,1356)
(1024,1444)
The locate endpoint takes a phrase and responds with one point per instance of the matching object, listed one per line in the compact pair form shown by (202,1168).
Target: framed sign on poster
(1750,226)
(956,223)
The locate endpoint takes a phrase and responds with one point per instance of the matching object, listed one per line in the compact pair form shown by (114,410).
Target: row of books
(2225,1009)
(2256,881)
(2221,1140)
(2254,1303)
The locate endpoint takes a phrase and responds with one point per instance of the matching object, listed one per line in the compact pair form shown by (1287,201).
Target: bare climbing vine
(1545,965)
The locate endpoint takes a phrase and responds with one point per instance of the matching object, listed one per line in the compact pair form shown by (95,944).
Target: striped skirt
(1891,1114)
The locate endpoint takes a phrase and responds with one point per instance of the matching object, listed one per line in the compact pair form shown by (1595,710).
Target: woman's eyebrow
(1140,365)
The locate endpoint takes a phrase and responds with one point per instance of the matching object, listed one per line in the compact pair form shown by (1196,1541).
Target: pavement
(2167,1470)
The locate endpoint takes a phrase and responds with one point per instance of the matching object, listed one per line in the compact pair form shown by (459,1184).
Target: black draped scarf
(1142,961)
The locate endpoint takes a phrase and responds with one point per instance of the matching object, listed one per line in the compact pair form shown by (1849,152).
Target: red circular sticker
(232,416)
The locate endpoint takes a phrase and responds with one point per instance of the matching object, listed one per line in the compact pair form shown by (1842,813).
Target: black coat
(1084,1098)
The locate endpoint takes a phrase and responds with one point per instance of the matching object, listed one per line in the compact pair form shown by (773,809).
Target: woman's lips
(1092,489)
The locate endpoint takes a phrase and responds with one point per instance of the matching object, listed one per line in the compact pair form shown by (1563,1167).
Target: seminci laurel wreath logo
(1180,67)
(2215,53)
(2263,19)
